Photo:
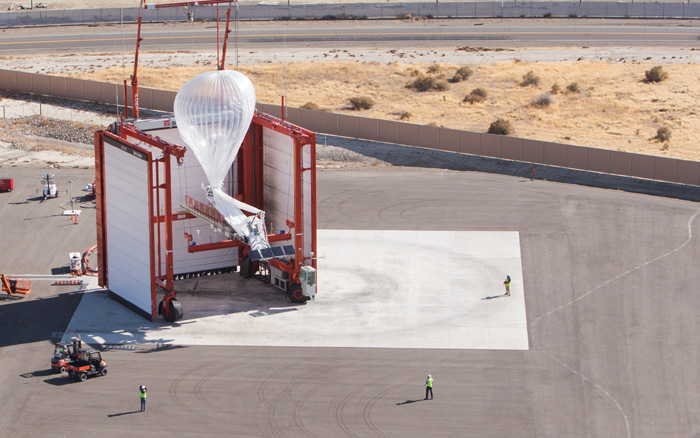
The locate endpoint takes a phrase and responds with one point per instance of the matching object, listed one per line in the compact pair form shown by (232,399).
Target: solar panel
(266,253)
(255,255)
(289,250)
(277,251)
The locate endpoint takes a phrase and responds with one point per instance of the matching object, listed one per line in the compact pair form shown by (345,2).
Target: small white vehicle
(50,189)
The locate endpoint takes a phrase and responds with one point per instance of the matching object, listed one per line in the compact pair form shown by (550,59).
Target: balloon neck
(210,190)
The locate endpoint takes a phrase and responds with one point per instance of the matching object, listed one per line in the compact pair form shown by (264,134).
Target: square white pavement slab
(377,288)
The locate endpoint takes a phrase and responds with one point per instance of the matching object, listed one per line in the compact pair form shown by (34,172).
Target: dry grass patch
(618,111)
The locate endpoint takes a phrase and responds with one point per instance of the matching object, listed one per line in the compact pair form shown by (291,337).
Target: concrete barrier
(285,10)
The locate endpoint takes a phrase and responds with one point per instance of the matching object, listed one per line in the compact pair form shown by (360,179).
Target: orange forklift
(64,354)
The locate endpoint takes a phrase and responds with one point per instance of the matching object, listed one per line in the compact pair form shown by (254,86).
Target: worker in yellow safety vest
(429,387)
(142,394)
(507,285)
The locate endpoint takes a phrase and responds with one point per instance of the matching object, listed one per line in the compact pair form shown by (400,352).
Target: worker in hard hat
(142,395)
(429,387)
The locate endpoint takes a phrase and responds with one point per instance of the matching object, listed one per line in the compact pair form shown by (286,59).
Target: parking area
(610,316)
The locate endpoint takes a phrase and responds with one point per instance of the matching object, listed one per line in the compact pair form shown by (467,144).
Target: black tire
(160,308)
(176,311)
(83,377)
(103,371)
(62,370)
(247,270)
(296,295)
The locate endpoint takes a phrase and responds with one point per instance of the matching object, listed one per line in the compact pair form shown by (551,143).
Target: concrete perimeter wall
(383,10)
(389,131)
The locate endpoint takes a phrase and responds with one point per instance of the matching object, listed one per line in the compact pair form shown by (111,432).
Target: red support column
(100,209)
(313,201)
(169,276)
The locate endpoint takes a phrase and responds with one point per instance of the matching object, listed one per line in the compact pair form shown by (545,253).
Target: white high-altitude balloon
(213,112)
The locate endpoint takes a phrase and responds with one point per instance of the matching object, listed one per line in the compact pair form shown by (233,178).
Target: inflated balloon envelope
(213,112)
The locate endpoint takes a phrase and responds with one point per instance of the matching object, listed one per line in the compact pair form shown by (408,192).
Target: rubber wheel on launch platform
(176,311)
(160,308)
(246,268)
(296,295)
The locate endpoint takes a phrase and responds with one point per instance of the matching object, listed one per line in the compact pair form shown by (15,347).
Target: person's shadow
(123,413)
(409,401)
(494,296)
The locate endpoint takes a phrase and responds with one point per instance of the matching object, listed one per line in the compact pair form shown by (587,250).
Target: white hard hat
(428,375)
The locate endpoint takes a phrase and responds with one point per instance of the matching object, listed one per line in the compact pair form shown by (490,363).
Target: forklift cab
(64,354)
(61,350)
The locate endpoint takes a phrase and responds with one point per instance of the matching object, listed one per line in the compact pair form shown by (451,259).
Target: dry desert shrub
(405,115)
(361,103)
(311,106)
(542,101)
(530,78)
(573,87)
(477,95)
(428,83)
(462,74)
(434,69)
(656,74)
(555,89)
(500,127)
(663,134)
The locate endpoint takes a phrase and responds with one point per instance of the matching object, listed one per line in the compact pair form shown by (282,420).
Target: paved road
(611,314)
(445,33)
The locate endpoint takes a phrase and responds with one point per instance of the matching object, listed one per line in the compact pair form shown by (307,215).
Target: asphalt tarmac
(611,312)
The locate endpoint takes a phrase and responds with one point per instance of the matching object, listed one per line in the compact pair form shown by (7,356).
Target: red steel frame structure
(250,190)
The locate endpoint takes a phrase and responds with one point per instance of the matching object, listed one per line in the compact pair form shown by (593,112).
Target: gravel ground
(16,131)
(60,133)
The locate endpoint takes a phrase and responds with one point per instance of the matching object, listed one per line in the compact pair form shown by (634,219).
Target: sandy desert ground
(613,109)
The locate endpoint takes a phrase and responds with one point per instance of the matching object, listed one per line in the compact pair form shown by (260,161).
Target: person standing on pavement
(429,387)
(507,285)
(142,394)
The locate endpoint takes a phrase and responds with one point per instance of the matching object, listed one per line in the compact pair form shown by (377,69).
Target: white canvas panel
(306,205)
(278,178)
(127,226)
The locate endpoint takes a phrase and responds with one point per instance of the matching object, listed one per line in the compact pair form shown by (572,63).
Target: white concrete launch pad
(377,288)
